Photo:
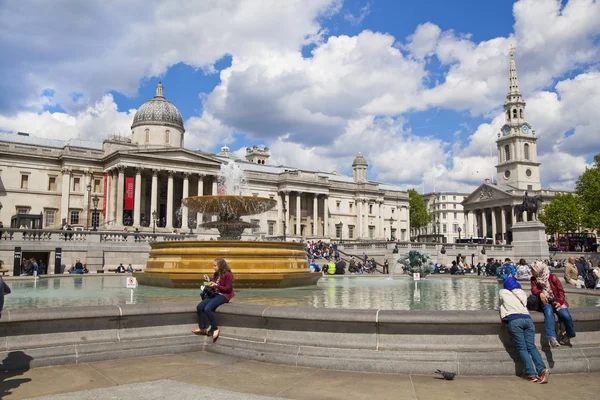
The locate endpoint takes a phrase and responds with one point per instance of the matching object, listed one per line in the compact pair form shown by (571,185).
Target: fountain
(256,264)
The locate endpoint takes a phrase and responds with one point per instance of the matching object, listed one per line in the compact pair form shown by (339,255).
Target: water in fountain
(231,180)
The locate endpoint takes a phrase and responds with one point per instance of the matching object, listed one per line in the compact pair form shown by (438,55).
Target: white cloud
(356,20)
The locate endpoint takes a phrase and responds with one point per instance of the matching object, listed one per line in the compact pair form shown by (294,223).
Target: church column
(186,193)
(503,224)
(298,212)
(170,200)
(137,197)
(120,188)
(366,219)
(286,215)
(154,198)
(325,217)
(358,203)
(484,223)
(315,212)
(493,214)
(200,193)
(66,192)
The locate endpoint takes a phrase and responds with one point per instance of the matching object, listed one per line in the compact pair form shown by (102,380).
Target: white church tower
(518,164)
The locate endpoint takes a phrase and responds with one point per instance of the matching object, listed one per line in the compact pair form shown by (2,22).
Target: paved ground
(206,375)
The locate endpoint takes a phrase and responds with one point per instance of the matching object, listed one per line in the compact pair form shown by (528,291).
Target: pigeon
(448,376)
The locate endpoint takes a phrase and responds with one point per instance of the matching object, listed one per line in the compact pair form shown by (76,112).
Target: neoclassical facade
(140,181)
(447,222)
(490,209)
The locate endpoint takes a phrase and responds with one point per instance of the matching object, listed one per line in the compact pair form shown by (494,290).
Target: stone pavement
(202,374)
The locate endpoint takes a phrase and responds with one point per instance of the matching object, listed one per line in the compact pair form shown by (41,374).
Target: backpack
(503,272)
(590,279)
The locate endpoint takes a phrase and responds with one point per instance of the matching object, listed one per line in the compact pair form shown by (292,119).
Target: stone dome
(158,111)
(360,161)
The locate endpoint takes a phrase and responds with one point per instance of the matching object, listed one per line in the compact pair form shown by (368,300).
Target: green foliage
(419,217)
(588,189)
(562,214)
(417,261)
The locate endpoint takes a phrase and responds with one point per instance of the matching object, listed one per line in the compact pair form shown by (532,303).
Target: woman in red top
(548,288)
(222,282)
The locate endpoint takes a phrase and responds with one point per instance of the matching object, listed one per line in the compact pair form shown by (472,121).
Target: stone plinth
(529,241)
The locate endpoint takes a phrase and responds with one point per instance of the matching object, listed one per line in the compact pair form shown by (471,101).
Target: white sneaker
(553,342)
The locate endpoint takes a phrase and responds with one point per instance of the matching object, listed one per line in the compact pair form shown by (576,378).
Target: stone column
(366,219)
(107,195)
(170,200)
(186,193)
(503,224)
(137,197)
(298,213)
(493,212)
(154,198)
(484,223)
(66,192)
(358,204)
(120,188)
(315,213)
(200,193)
(380,218)
(468,227)
(325,217)
(287,212)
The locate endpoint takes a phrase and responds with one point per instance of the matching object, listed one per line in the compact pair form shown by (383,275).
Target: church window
(526,151)
(507,153)
(521,113)
(147,136)
(515,113)
(507,174)
(528,173)
(167,136)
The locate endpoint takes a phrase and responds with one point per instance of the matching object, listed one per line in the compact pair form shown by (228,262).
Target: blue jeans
(208,306)
(523,336)
(564,316)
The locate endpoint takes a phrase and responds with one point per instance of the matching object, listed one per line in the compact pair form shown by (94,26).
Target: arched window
(526,151)
(515,113)
(147,136)
(507,153)
(167,136)
(521,113)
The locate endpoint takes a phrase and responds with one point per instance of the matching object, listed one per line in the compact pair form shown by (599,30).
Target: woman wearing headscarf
(549,290)
(513,311)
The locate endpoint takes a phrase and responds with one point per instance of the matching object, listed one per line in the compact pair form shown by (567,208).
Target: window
(528,173)
(515,113)
(507,153)
(147,136)
(337,205)
(403,234)
(271,227)
(455,215)
(443,215)
(338,231)
(95,218)
(393,209)
(371,232)
(526,151)
(444,206)
(23,210)
(350,207)
(74,217)
(24,181)
(444,229)
(52,183)
(454,206)
(167,136)
(455,228)
(443,197)
(96,185)
(351,231)
(76,184)
(49,217)
(529,187)
(454,198)
(256,227)
(370,208)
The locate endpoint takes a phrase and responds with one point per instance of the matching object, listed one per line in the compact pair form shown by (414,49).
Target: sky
(416,86)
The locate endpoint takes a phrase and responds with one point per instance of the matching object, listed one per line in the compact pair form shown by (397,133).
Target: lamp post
(87,220)
(459,231)
(392,220)
(154,221)
(284,219)
(95,200)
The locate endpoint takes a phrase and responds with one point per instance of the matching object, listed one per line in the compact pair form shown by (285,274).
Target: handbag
(207,292)
(534,303)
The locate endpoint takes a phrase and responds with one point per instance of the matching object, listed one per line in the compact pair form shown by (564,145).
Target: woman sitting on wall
(222,282)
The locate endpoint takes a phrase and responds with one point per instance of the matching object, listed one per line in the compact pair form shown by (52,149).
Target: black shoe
(210,332)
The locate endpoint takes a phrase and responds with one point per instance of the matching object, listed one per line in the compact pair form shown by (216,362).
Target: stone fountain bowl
(226,204)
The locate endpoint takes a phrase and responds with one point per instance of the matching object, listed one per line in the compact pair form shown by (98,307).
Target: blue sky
(417,87)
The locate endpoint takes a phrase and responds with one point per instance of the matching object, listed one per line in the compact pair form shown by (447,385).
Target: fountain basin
(254,264)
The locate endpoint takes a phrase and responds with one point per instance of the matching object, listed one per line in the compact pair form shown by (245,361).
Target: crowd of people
(321,250)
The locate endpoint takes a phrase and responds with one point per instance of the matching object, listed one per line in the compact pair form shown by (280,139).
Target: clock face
(506,130)
(525,128)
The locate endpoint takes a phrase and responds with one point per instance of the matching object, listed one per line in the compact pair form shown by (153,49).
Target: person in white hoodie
(514,313)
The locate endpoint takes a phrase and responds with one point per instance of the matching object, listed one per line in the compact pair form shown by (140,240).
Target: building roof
(360,161)
(26,138)
(158,111)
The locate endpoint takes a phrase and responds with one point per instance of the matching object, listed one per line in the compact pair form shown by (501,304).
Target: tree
(562,214)
(419,217)
(588,189)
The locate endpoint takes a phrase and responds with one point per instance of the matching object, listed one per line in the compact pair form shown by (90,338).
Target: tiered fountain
(254,263)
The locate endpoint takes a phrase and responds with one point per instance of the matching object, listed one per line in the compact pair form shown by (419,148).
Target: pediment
(487,192)
(176,155)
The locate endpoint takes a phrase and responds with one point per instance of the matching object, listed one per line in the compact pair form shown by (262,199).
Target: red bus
(576,241)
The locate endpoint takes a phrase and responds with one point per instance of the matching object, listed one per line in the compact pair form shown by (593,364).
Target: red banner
(105,194)
(128,194)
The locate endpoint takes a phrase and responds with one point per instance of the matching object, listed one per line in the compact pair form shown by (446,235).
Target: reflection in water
(362,293)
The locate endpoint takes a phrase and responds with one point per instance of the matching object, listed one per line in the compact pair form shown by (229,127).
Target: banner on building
(105,195)
(129,185)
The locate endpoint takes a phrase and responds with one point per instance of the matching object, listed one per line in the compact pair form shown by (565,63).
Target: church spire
(159,90)
(514,80)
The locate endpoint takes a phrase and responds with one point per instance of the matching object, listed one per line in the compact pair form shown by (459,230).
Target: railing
(49,235)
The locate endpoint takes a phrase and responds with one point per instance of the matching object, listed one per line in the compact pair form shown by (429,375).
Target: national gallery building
(141,180)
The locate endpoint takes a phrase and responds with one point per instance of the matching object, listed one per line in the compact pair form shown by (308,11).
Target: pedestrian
(386,267)
(512,303)
(222,282)
(4,290)
(549,290)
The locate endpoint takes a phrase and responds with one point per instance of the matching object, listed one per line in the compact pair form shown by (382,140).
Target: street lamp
(284,219)
(95,200)
(391,225)
(154,221)
(459,231)
(87,220)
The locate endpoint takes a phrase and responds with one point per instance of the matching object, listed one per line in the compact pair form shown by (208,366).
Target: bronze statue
(530,204)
